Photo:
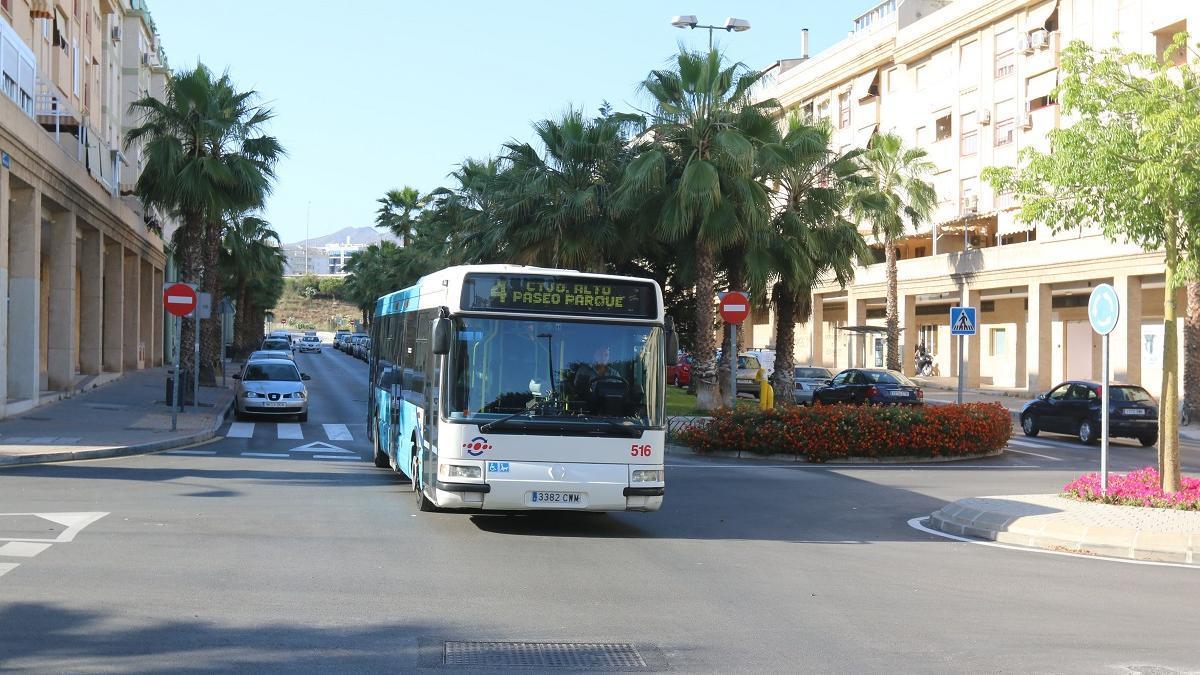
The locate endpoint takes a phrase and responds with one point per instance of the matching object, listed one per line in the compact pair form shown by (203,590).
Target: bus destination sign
(539,294)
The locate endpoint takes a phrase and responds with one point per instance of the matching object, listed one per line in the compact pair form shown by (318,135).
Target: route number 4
(639,450)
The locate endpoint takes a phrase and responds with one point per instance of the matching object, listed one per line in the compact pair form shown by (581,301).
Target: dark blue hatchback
(1074,408)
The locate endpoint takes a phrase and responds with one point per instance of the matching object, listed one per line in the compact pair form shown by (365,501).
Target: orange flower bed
(826,433)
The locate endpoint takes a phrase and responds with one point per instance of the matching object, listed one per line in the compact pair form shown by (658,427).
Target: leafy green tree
(206,156)
(810,239)
(251,261)
(902,197)
(692,180)
(332,287)
(397,211)
(1129,166)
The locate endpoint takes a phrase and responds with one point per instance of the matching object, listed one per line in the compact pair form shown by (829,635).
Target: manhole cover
(610,656)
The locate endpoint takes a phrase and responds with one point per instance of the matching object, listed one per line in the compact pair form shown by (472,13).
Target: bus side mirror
(441,336)
(672,340)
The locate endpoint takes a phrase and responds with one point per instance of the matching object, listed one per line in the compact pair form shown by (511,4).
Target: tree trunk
(893,311)
(783,379)
(241,335)
(1191,353)
(705,369)
(210,329)
(188,262)
(1168,422)
(735,275)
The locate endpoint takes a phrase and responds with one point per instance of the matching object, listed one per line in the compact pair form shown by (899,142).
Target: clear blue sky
(376,94)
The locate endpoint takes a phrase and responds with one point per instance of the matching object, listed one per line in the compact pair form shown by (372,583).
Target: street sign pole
(733,366)
(1104,420)
(1104,307)
(961,363)
(196,362)
(734,309)
(962,323)
(176,404)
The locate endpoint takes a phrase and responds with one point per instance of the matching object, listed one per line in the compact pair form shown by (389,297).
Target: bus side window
(407,346)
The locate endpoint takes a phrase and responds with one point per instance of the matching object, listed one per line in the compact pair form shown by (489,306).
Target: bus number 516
(639,450)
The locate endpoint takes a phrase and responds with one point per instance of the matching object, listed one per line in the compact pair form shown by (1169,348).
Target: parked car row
(357,345)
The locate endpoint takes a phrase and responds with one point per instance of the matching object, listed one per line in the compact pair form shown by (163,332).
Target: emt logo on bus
(476,446)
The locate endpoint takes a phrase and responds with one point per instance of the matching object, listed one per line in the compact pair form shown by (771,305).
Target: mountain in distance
(352,235)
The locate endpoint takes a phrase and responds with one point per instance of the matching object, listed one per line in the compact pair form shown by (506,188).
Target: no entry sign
(735,307)
(179,299)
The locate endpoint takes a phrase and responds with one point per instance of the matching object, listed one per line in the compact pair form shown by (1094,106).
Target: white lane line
(1034,454)
(271,455)
(240,430)
(337,432)
(292,431)
(335,457)
(803,465)
(916,524)
(190,452)
(7,567)
(1026,444)
(22,549)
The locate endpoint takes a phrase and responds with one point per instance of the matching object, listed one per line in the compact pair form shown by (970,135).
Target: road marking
(7,567)
(337,432)
(1035,454)
(916,524)
(190,452)
(74,522)
(804,465)
(291,431)
(271,455)
(240,430)
(1025,444)
(335,457)
(320,446)
(22,549)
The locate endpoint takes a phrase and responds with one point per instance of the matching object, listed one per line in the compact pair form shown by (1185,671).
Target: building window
(920,252)
(968,62)
(922,76)
(808,112)
(999,342)
(823,111)
(922,136)
(1006,112)
(1040,102)
(1006,55)
(1163,39)
(928,337)
(843,111)
(969,142)
(942,128)
(6,5)
(890,80)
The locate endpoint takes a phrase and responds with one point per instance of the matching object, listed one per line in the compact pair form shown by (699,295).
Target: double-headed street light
(732,25)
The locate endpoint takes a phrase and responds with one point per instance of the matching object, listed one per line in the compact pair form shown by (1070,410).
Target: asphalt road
(274,554)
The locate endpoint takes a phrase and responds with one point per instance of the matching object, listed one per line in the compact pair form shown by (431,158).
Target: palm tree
(897,178)
(206,156)
(397,210)
(557,201)
(810,239)
(694,179)
(252,255)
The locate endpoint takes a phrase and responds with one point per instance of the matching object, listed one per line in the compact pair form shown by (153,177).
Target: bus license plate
(538,498)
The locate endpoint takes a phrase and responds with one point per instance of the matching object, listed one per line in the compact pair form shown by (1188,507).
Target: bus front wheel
(423,503)
(381,459)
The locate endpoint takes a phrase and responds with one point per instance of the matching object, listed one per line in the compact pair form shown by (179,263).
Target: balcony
(53,111)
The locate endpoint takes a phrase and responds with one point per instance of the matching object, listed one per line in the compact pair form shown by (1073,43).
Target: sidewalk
(1061,524)
(127,416)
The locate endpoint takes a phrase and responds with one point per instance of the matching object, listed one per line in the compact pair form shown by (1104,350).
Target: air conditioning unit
(1027,121)
(985,117)
(116,33)
(1039,39)
(1024,44)
(971,204)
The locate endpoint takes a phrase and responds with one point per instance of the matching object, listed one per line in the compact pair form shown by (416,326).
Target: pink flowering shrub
(1137,488)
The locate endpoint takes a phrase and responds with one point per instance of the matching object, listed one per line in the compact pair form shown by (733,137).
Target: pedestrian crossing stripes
(293,432)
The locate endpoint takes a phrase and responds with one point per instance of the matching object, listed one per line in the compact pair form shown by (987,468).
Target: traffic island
(1057,523)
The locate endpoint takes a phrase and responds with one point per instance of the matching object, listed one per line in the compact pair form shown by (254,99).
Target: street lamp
(732,25)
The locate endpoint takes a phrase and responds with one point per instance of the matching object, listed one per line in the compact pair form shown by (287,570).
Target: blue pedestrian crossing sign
(962,321)
(1103,309)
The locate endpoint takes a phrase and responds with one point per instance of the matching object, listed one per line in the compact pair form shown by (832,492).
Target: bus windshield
(560,370)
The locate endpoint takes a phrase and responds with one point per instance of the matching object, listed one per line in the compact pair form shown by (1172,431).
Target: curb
(675,449)
(120,451)
(1053,534)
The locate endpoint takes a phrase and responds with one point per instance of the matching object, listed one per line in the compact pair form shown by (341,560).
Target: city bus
(505,387)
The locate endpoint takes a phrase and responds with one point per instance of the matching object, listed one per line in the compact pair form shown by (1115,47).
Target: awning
(862,85)
(41,9)
(863,136)
(1038,16)
(1007,223)
(1041,85)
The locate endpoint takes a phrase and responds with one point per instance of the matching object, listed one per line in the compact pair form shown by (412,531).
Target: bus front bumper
(545,486)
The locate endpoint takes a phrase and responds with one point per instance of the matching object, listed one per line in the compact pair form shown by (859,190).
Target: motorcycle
(925,365)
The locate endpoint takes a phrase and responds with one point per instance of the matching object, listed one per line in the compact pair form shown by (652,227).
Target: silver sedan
(271,387)
(808,380)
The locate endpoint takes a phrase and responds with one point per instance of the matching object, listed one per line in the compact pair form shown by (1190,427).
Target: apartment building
(971,82)
(81,263)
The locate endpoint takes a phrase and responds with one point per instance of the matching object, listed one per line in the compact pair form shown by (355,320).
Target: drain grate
(549,655)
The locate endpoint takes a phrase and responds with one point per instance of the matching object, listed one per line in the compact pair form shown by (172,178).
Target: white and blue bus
(504,387)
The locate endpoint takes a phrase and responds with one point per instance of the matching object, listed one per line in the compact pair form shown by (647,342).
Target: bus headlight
(647,476)
(460,471)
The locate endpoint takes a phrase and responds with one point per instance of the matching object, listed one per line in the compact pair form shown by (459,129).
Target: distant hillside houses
(328,254)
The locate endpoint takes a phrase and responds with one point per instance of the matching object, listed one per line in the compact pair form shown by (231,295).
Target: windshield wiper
(489,425)
(632,432)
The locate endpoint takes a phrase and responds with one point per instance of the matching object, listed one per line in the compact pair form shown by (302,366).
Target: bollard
(766,392)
